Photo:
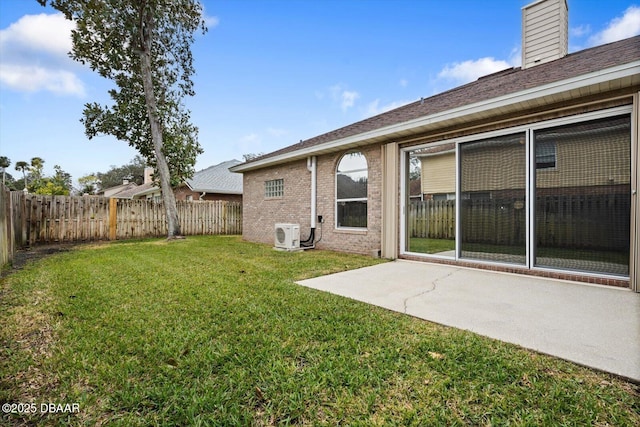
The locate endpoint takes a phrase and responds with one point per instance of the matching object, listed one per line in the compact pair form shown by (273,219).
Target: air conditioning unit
(287,236)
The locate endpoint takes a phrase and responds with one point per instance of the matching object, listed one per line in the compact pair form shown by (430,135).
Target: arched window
(351,191)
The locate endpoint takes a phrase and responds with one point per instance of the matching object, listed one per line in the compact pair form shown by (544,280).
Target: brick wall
(261,214)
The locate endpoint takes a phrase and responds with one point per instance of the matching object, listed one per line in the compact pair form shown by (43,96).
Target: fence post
(113,216)
(7,242)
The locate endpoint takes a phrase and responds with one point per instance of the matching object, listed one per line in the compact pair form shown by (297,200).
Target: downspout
(312,166)
(201,198)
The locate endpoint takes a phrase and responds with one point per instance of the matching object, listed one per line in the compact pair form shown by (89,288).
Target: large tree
(57,185)
(23,167)
(132,172)
(36,172)
(88,184)
(144,47)
(4,164)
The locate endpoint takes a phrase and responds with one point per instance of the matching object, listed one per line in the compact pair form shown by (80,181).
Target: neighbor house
(125,186)
(213,183)
(531,170)
(216,182)
(130,190)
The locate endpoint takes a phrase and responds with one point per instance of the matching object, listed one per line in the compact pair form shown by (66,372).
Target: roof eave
(146,192)
(215,191)
(401,129)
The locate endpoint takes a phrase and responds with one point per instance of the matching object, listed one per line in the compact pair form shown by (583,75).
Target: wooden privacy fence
(433,219)
(589,221)
(7,242)
(37,219)
(143,218)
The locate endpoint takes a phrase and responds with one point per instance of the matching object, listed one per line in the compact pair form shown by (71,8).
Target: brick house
(213,183)
(532,170)
(216,182)
(130,190)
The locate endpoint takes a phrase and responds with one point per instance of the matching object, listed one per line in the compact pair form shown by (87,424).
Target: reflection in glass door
(583,196)
(568,208)
(493,199)
(431,204)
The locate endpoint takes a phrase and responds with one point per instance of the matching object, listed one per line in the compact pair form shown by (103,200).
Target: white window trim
(358,199)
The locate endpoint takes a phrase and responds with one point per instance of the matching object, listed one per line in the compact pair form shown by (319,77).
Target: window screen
(583,205)
(431,200)
(493,206)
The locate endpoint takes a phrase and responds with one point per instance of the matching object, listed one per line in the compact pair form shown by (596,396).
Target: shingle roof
(130,193)
(485,88)
(217,179)
(118,188)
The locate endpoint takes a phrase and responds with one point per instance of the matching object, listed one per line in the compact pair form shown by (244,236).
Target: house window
(546,155)
(273,188)
(443,197)
(351,191)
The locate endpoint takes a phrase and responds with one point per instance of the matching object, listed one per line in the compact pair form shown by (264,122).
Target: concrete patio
(591,325)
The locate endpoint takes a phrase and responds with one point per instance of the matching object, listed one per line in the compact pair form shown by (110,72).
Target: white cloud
(252,138)
(468,71)
(580,31)
(403,82)
(211,21)
(276,132)
(44,33)
(515,57)
(374,108)
(346,98)
(249,143)
(33,79)
(34,55)
(628,25)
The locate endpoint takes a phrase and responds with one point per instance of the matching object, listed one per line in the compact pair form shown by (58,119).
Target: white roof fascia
(145,192)
(596,77)
(214,191)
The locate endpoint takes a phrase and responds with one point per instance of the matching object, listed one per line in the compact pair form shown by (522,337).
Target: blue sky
(273,72)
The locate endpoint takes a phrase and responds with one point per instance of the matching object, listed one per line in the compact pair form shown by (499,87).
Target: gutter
(626,70)
(210,190)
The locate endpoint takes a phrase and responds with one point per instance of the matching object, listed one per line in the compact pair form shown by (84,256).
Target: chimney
(545,32)
(148,175)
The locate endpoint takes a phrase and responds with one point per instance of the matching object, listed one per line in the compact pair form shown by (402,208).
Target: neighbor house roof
(217,179)
(589,71)
(138,190)
(108,192)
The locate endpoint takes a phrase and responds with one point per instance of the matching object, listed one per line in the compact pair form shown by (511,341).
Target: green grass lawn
(431,246)
(214,331)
